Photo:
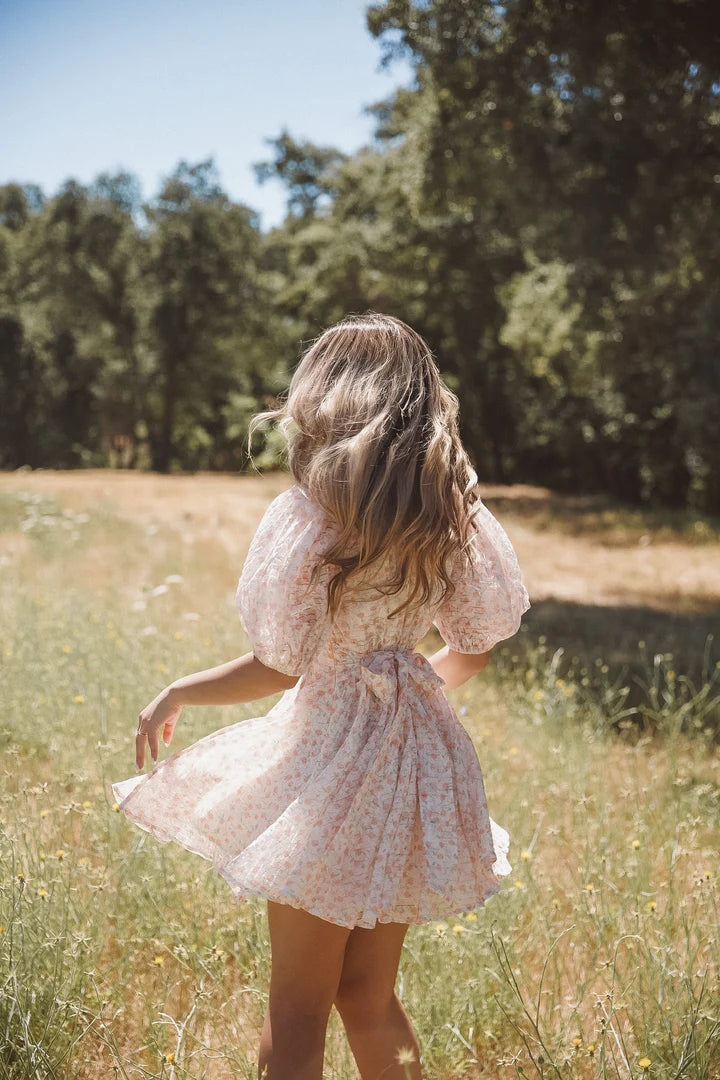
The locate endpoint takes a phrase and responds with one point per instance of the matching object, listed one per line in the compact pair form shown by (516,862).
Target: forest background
(541,204)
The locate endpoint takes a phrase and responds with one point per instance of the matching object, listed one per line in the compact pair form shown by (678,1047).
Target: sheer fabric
(359,797)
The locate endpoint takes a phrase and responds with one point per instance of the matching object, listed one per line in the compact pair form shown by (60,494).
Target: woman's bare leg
(377,1026)
(307,959)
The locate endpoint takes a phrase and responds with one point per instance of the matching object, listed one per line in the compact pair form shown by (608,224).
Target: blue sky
(88,86)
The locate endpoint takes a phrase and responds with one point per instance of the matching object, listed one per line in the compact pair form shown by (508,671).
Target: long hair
(373,439)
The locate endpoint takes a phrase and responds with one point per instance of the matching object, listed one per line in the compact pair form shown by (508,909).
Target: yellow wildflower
(526,855)
(115,807)
(644,1062)
(42,893)
(169,1059)
(577,1042)
(590,887)
(60,854)
(79,699)
(652,905)
(44,813)
(86,804)
(459,929)
(636,844)
(591,1049)
(519,884)
(159,961)
(471,916)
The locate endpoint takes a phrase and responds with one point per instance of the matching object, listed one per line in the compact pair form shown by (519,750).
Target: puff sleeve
(282,613)
(489,598)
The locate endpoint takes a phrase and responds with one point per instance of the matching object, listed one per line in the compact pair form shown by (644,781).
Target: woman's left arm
(455,668)
(239,680)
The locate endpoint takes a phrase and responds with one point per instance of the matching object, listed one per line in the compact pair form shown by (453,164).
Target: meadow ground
(597,728)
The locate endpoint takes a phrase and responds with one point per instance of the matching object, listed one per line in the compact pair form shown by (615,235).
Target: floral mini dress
(359,796)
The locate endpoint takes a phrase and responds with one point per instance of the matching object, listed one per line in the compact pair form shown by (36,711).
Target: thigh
(371,961)
(307,955)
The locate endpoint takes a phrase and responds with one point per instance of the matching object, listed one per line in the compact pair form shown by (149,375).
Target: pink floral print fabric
(359,796)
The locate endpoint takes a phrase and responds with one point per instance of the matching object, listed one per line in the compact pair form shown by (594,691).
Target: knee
(363,1005)
(290,1012)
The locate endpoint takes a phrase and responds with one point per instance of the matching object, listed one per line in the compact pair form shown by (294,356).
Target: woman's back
(283,600)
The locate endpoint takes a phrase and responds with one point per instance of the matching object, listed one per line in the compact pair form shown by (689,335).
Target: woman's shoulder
(295,500)
(289,539)
(294,511)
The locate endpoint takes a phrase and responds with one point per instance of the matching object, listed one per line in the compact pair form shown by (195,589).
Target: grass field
(597,728)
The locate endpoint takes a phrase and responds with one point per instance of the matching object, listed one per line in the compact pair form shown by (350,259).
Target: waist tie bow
(424,753)
(387,670)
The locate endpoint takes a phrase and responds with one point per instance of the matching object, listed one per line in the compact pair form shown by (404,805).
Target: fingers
(140,739)
(152,738)
(147,733)
(151,723)
(169,727)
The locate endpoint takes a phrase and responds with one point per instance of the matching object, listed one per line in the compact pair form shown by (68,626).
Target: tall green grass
(123,957)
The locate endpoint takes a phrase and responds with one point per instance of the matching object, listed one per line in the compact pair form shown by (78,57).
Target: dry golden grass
(571,550)
(601,578)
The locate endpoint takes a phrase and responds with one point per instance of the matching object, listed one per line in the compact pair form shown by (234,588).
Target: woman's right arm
(239,680)
(242,679)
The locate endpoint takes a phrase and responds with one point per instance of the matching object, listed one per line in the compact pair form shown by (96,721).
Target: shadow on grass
(613,633)
(663,658)
(599,516)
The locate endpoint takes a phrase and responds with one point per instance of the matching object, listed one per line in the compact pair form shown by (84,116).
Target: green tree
(306,170)
(583,136)
(208,308)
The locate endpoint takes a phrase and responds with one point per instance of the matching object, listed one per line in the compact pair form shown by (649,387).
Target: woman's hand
(239,680)
(161,713)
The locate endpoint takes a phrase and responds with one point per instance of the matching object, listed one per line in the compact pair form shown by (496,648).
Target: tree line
(541,204)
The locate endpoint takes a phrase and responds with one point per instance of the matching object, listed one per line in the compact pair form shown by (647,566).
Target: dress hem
(198,844)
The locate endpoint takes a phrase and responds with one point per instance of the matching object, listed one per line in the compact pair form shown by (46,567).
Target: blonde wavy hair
(373,439)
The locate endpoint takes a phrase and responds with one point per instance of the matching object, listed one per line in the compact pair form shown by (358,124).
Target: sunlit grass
(123,957)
